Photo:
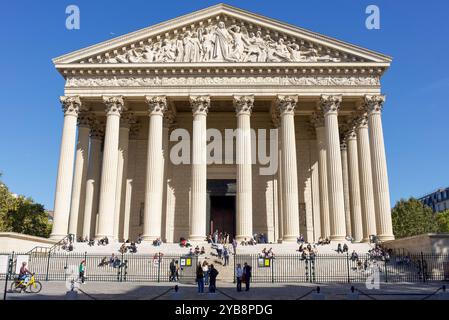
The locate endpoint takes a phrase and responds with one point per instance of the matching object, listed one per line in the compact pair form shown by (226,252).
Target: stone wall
(426,243)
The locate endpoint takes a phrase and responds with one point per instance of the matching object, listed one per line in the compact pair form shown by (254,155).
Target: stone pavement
(53,290)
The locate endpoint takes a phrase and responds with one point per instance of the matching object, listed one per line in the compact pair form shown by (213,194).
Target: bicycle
(33,285)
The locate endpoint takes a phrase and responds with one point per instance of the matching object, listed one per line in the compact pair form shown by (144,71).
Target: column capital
(351,134)
(134,130)
(170,116)
(317,119)
(115,105)
(243,104)
(84,119)
(287,104)
(157,105)
(97,130)
(71,105)
(127,119)
(330,104)
(343,146)
(362,121)
(373,103)
(200,104)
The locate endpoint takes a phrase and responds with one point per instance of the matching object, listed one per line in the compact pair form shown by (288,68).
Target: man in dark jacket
(213,273)
(247,275)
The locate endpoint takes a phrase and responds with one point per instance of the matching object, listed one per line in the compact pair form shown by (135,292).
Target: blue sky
(416,114)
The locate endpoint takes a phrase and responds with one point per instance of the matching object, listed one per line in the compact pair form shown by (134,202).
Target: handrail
(305,295)
(51,249)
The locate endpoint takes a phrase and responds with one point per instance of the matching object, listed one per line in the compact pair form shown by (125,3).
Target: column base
(197,238)
(386,237)
(337,238)
(57,236)
(147,238)
(290,239)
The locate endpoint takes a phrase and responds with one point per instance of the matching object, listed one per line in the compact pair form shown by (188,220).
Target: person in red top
(24,272)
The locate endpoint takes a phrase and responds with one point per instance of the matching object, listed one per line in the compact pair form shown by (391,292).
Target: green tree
(443,221)
(411,217)
(22,215)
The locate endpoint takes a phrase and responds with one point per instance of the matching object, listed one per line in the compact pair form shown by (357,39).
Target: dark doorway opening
(222,214)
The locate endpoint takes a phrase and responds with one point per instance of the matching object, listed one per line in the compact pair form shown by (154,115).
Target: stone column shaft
(354,187)
(379,165)
(71,106)
(152,226)
(92,184)
(244,221)
(344,164)
(80,175)
(200,106)
(322,175)
(114,107)
(330,106)
(122,166)
(286,105)
(366,181)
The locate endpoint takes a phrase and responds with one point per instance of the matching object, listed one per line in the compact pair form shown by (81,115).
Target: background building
(437,200)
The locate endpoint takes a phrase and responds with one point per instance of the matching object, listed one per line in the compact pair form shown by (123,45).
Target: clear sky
(414,33)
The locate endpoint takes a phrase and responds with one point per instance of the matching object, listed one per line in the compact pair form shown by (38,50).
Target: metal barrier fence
(60,266)
(341,268)
(129,267)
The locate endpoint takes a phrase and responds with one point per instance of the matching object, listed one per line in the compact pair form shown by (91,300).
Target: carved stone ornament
(127,119)
(317,119)
(330,104)
(157,105)
(287,104)
(221,42)
(97,130)
(200,104)
(243,104)
(351,134)
(362,121)
(157,81)
(70,105)
(115,105)
(84,119)
(374,103)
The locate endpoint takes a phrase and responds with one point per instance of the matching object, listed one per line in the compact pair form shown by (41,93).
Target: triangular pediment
(221,34)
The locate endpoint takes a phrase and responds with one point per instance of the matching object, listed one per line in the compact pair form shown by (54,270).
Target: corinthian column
(152,225)
(373,106)
(344,165)
(243,107)
(122,165)
(79,180)
(200,106)
(114,107)
(318,121)
(330,106)
(71,107)
(354,186)
(287,105)
(366,180)
(93,180)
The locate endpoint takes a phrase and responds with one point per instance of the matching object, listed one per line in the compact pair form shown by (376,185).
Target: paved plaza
(56,290)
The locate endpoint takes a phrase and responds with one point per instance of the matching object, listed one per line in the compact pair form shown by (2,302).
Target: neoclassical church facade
(127,100)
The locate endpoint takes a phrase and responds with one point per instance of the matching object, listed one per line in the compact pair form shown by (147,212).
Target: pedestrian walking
(226,256)
(82,270)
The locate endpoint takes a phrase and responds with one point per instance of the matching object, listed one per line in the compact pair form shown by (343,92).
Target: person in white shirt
(238,275)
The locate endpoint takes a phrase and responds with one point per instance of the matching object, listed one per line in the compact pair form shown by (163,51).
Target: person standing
(234,246)
(82,270)
(172,270)
(247,275)
(238,275)
(226,256)
(200,278)
(213,273)
(206,272)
